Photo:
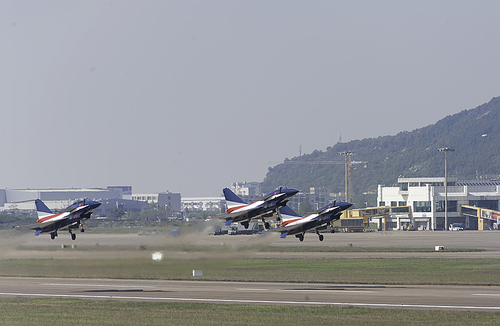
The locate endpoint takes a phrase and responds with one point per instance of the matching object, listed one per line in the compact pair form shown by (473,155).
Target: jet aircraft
(240,211)
(295,224)
(70,218)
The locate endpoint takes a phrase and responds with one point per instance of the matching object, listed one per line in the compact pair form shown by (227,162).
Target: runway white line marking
(305,290)
(238,289)
(488,294)
(380,305)
(327,291)
(102,285)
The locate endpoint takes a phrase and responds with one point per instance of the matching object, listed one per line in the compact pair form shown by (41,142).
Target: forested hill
(474,134)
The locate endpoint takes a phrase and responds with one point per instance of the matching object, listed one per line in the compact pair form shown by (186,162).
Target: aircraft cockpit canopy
(280,188)
(80,201)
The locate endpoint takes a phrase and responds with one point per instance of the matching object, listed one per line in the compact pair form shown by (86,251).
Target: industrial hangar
(111,197)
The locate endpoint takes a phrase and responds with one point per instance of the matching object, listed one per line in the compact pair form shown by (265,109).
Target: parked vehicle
(457,227)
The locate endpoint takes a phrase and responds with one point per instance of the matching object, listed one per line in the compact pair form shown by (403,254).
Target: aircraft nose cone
(292,192)
(346,205)
(94,204)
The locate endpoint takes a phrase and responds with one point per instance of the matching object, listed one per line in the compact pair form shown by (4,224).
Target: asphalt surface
(376,296)
(111,246)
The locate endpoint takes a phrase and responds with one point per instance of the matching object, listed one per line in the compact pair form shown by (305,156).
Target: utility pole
(446,150)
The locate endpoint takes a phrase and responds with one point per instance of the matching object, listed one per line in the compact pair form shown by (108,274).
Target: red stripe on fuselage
(46,218)
(285,223)
(232,209)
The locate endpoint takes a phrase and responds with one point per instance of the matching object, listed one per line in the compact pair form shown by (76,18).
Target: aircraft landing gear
(53,235)
(245,224)
(300,236)
(320,236)
(266,224)
(73,236)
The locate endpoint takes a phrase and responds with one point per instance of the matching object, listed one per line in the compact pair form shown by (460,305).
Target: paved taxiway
(377,296)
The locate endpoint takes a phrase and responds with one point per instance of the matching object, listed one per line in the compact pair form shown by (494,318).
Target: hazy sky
(189,96)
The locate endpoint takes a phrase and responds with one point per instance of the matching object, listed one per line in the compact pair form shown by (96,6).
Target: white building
(203,203)
(172,200)
(426,197)
(247,189)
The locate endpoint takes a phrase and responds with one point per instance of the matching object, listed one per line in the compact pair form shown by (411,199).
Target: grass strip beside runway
(56,312)
(405,271)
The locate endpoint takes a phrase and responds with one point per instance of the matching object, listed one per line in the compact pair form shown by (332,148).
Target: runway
(258,293)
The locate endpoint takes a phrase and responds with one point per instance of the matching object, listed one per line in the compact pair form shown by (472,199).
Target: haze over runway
(191,96)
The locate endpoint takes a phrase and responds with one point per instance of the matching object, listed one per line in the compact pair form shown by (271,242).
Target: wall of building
(247,190)
(172,200)
(108,205)
(203,204)
(426,196)
(12,196)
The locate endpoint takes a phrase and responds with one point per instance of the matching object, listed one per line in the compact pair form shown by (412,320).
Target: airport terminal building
(426,198)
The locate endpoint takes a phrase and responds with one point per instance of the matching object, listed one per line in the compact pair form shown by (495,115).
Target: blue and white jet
(295,224)
(238,211)
(70,218)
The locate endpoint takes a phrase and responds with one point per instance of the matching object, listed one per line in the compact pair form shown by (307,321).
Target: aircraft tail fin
(42,209)
(232,200)
(288,214)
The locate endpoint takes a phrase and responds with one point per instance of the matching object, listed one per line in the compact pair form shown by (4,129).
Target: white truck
(457,227)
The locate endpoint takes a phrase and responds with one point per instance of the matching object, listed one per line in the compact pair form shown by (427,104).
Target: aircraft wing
(285,228)
(28,226)
(233,217)
(38,226)
(47,226)
(241,216)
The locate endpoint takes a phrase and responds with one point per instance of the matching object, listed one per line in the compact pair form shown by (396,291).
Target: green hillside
(474,134)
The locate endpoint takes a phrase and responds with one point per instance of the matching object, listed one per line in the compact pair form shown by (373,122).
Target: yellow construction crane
(348,169)
(348,173)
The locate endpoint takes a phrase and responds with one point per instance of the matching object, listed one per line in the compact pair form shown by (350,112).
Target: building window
(488,204)
(452,206)
(469,211)
(403,186)
(382,203)
(402,203)
(432,184)
(391,225)
(421,206)
(394,203)
(400,209)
